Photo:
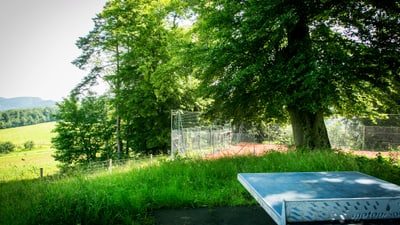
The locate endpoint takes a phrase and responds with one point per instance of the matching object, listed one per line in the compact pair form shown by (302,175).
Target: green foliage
(24,117)
(83,130)
(29,145)
(258,59)
(137,47)
(6,147)
(130,197)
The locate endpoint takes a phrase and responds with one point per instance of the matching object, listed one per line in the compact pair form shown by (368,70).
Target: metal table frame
(306,197)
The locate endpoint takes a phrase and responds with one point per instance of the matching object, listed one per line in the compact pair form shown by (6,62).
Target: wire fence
(355,134)
(192,137)
(378,137)
(203,140)
(113,165)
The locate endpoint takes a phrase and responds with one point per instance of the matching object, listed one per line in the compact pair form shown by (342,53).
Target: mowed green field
(21,164)
(40,134)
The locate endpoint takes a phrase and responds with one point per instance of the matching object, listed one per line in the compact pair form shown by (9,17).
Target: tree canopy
(83,131)
(305,58)
(23,117)
(136,47)
(253,60)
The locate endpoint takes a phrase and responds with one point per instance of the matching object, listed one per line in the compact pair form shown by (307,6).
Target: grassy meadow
(22,164)
(130,196)
(40,134)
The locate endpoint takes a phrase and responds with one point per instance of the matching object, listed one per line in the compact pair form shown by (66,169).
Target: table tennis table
(323,197)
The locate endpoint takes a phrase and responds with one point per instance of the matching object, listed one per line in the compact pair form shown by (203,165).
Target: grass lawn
(130,196)
(40,134)
(22,164)
(26,165)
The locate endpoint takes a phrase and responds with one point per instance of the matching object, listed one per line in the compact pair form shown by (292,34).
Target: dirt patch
(245,148)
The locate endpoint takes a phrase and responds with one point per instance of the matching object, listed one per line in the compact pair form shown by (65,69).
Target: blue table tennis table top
(321,196)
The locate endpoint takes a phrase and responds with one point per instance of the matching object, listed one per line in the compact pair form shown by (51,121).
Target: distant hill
(24,103)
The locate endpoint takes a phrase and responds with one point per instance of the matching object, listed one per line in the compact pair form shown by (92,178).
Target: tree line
(23,117)
(236,61)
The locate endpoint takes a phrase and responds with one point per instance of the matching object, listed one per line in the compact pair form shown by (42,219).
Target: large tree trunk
(309,129)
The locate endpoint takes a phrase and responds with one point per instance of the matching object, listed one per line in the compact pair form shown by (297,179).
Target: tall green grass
(130,197)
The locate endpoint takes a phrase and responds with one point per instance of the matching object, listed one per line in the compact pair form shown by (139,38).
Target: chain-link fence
(191,136)
(361,134)
(380,137)
(344,133)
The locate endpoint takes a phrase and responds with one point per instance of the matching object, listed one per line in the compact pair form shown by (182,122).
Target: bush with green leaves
(29,145)
(84,130)
(6,147)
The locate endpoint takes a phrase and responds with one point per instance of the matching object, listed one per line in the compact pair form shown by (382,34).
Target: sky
(37,45)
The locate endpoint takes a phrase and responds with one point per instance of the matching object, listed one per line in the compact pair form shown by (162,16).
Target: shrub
(6,147)
(29,145)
